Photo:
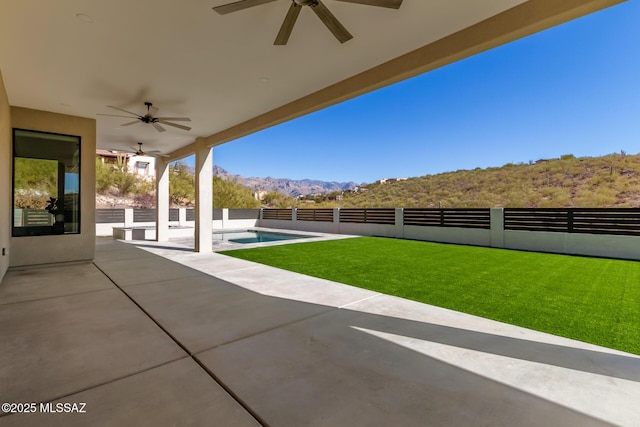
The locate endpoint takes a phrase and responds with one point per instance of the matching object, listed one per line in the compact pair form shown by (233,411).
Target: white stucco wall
(31,250)
(5,179)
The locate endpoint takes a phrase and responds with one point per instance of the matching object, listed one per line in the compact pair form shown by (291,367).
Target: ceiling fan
(150,117)
(138,152)
(327,18)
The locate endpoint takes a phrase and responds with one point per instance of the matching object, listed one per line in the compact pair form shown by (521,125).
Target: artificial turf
(589,299)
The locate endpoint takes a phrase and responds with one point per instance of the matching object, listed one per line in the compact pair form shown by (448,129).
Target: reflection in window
(46,183)
(142,168)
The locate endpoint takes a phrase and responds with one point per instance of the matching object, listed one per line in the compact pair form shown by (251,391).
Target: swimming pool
(254,236)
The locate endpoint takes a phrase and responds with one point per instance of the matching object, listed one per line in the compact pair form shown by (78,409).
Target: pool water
(255,236)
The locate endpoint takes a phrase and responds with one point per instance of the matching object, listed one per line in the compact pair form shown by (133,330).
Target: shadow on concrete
(299,363)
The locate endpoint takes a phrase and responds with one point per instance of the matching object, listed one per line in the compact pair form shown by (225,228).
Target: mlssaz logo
(65,407)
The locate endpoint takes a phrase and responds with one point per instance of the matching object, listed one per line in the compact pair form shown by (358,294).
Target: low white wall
(106,229)
(537,241)
(604,245)
(382,230)
(318,226)
(601,245)
(229,224)
(462,236)
(276,223)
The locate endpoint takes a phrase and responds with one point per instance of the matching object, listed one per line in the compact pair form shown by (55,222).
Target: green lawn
(588,299)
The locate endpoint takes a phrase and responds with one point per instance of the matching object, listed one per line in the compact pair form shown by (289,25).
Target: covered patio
(164,334)
(160,335)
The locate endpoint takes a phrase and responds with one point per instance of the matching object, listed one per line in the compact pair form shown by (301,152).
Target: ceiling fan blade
(331,22)
(239,5)
(175,119)
(287,25)
(118,108)
(158,127)
(152,111)
(130,123)
(175,125)
(156,153)
(391,4)
(114,115)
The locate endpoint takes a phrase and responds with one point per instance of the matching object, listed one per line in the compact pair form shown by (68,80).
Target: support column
(162,200)
(204,197)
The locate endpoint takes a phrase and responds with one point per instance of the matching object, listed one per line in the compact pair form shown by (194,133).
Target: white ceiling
(190,61)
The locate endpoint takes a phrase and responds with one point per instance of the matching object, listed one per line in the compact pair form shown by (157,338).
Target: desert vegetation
(607,181)
(117,187)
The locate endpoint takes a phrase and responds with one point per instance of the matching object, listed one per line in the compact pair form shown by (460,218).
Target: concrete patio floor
(153,334)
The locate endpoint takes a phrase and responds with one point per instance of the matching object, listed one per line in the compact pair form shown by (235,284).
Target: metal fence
(319,215)
(463,218)
(107,216)
(282,214)
(368,216)
(623,221)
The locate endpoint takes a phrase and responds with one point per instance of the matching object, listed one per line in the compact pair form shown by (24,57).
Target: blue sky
(571,89)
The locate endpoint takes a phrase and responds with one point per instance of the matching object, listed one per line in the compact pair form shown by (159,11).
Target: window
(141,168)
(46,183)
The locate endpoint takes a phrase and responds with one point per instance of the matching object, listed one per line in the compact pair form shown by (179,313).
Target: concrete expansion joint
(239,269)
(58,296)
(188,354)
(360,300)
(82,390)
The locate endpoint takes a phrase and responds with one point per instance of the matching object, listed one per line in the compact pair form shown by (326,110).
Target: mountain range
(290,187)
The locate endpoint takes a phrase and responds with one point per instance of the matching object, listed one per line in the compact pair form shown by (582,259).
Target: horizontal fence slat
(107,216)
(619,221)
(384,216)
(462,218)
(144,215)
(319,215)
(279,214)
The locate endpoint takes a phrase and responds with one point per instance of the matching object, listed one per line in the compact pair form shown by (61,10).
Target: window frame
(39,231)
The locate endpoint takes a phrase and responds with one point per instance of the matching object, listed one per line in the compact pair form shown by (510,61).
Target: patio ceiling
(223,71)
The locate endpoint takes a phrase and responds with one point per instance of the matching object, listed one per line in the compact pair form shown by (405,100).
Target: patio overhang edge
(523,20)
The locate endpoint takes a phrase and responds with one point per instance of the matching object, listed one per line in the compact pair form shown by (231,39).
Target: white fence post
(497,227)
(294,218)
(128,217)
(336,220)
(182,216)
(400,223)
(225,217)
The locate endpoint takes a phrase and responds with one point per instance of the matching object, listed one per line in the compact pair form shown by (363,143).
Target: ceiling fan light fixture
(83,17)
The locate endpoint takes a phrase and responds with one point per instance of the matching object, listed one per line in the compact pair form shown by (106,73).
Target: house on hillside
(143,166)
